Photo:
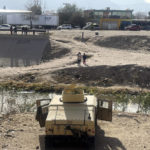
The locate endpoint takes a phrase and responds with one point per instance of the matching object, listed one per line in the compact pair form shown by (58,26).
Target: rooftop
(111,10)
(14,11)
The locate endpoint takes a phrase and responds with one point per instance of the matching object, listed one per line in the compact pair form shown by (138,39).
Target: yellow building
(110,19)
(113,23)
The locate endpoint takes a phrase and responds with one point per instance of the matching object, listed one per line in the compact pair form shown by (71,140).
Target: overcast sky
(137,5)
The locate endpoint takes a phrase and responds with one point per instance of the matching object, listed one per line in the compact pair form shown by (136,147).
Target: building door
(110,25)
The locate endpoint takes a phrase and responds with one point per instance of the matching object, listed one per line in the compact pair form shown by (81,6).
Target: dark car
(95,27)
(147,27)
(133,27)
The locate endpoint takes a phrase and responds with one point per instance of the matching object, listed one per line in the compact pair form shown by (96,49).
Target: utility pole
(2,101)
(37,2)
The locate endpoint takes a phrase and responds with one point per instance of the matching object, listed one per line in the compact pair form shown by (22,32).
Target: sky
(137,5)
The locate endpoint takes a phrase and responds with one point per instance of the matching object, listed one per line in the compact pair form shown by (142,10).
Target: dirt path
(125,132)
(102,55)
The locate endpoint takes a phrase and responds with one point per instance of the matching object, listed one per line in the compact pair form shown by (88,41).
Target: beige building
(110,19)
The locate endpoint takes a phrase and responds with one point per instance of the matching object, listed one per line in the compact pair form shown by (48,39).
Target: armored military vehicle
(72,114)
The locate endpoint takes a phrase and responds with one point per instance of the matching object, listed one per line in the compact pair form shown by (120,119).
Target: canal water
(23,101)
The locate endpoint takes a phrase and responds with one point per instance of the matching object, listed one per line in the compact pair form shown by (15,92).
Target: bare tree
(35,7)
(140,15)
(71,14)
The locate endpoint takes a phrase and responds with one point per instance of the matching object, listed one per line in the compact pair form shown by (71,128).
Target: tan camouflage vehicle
(72,114)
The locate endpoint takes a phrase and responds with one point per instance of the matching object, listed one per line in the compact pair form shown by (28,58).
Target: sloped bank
(122,75)
(122,42)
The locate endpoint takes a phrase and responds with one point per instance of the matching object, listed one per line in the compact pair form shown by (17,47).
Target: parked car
(64,26)
(25,26)
(77,27)
(95,27)
(133,27)
(92,26)
(147,27)
(5,27)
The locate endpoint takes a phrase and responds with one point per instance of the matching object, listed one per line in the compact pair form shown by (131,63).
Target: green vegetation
(71,14)
(37,87)
(122,96)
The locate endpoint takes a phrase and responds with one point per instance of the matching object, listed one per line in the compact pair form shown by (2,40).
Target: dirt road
(126,132)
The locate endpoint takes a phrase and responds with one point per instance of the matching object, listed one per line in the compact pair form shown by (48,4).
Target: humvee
(72,114)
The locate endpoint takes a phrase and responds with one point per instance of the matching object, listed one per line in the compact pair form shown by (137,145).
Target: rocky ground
(125,132)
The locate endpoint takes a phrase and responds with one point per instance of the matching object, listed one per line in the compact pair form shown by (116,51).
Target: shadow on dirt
(63,41)
(107,143)
(126,116)
(126,75)
(101,143)
(55,52)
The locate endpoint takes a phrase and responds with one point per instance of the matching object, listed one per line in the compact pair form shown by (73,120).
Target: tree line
(71,14)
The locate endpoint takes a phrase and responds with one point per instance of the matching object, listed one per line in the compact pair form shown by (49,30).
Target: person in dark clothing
(26,30)
(11,30)
(22,30)
(79,58)
(84,59)
(15,29)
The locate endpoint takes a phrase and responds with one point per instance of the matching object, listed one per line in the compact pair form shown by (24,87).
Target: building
(110,19)
(24,17)
(4,13)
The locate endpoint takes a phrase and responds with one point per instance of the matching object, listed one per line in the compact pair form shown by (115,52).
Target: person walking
(84,59)
(79,58)
(11,29)
(22,29)
(15,29)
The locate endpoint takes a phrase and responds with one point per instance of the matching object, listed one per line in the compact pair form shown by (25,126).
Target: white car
(64,26)
(5,26)
(25,26)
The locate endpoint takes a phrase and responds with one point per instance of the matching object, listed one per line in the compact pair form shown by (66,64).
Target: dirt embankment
(54,51)
(128,75)
(122,42)
(125,42)
(105,67)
